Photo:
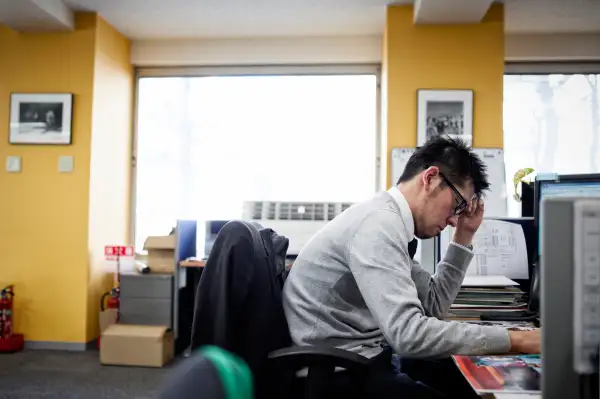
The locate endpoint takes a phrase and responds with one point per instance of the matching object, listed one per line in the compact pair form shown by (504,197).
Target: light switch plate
(65,164)
(13,164)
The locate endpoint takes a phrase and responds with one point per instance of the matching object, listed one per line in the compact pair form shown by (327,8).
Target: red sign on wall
(114,252)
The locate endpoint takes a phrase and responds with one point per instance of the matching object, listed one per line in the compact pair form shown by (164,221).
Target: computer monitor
(570,303)
(212,230)
(584,185)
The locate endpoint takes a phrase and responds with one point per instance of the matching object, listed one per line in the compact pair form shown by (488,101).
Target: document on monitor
(500,250)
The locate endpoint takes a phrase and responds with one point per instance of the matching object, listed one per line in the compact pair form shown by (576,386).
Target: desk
(200,263)
(191,273)
(194,268)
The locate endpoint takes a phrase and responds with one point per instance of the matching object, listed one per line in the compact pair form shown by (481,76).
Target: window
(552,124)
(206,144)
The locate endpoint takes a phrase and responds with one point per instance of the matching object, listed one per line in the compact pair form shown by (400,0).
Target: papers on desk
(518,395)
(494,300)
(487,294)
(500,250)
(487,281)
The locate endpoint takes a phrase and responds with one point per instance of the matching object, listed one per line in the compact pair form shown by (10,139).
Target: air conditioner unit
(298,221)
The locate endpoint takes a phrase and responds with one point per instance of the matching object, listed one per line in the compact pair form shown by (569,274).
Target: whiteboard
(495,199)
(400,158)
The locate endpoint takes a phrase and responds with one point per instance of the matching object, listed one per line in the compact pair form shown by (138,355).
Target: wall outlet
(65,164)
(13,164)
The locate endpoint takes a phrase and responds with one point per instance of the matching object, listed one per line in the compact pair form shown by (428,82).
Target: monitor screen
(212,230)
(566,188)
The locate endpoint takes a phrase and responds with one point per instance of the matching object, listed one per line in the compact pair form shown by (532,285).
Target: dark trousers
(419,378)
(440,375)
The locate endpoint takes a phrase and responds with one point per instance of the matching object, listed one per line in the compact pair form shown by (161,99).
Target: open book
(508,374)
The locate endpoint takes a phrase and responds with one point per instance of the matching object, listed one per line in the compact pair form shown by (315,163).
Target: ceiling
(240,18)
(149,19)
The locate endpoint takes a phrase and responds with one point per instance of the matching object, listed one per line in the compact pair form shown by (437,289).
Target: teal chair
(210,373)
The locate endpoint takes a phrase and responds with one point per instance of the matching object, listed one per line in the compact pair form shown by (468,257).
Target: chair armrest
(307,356)
(317,365)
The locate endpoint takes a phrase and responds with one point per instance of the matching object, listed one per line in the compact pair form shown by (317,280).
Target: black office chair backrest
(238,304)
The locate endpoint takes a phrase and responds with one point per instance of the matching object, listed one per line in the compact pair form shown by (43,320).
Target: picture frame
(444,112)
(41,118)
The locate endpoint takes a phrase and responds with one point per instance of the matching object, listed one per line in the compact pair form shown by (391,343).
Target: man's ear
(429,178)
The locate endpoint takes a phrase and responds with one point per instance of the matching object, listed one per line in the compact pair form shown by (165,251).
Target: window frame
(552,68)
(249,70)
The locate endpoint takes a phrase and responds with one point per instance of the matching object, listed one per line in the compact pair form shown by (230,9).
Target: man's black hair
(456,160)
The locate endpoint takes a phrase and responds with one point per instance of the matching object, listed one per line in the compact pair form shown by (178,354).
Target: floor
(66,375)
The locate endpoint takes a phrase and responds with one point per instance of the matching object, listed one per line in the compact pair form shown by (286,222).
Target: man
(355,286)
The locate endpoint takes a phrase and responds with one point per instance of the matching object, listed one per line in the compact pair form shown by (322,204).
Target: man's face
(441,203)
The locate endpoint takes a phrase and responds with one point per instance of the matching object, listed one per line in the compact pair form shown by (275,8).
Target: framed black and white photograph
(444,113)
(40,118)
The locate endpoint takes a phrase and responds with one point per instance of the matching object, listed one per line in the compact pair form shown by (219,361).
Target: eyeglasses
(462,203)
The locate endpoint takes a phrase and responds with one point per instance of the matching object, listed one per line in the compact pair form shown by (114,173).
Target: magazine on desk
(506,374)
(509,325)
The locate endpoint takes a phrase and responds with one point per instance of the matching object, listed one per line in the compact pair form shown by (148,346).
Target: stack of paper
(500,249)
(488,294)
(500,255)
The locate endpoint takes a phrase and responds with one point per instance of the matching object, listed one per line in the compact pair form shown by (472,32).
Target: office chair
(239,308)
(211,371)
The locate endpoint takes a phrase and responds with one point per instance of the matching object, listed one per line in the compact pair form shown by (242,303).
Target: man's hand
(469,222)
(525,341)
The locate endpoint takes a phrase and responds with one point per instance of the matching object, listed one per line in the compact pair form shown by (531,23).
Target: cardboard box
(161,254)
(107,318)
(134,345)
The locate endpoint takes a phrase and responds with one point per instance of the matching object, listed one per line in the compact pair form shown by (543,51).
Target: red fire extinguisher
(110,300)
(9,342)
(6,296)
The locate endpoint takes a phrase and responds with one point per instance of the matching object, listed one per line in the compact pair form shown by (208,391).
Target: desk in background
(199,263)
(190,272)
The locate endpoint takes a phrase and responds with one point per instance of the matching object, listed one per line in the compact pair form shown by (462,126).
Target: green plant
(519,177)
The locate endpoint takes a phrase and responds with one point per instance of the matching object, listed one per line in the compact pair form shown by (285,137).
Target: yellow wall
(442,57)
(45,215)
(110,163)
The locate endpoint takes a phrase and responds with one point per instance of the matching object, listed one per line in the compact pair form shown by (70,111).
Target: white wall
(257,51)
(338,50)
(559,47)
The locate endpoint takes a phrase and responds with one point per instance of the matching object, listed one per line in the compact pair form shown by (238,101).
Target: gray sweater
(354,286)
